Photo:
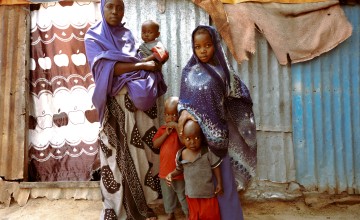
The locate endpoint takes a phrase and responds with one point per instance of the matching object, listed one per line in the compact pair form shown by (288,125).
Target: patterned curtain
(63,125)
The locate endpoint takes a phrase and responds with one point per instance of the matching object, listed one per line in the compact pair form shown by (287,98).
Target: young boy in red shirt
(167,140)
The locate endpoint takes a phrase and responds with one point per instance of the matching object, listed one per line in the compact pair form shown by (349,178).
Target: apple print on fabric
(60,119)
(44,62)
(63,123)
(92,115)
(79,59)
(61,59)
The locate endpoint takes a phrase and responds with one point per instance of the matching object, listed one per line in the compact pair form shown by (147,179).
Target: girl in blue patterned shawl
(214,96)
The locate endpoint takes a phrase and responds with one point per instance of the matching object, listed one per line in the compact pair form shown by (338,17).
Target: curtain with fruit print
(63,124)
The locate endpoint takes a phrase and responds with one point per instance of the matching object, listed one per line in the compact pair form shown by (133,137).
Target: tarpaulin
(295,32)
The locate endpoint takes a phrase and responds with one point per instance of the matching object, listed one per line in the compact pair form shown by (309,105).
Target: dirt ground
(44,209)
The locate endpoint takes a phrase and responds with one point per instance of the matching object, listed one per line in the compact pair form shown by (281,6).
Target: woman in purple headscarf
(125,95)
(214,96)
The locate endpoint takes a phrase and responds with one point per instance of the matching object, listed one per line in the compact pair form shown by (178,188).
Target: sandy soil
(42,208)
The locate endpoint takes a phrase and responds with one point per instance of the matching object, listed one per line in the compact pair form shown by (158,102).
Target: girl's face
(114,12)
(204,47)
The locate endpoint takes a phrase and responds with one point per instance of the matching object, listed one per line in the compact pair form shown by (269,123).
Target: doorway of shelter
(63,123)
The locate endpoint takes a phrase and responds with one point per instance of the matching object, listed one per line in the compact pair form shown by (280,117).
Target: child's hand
(168,179)
(219,190)
(170,126)
(169,130)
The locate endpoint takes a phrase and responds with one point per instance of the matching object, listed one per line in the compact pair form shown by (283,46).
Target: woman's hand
(151,66)
(185,115)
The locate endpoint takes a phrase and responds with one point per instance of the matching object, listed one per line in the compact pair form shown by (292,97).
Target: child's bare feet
(170,216)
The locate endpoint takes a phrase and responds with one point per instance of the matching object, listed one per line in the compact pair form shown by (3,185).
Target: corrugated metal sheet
(326,116)
(14,52)
(270,88)
(176,25)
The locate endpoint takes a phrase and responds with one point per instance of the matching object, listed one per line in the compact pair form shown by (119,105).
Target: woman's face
(114,12)
(204,47)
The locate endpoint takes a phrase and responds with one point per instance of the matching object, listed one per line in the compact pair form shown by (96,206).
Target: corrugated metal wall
(326,116)
(270,88)
(14,51)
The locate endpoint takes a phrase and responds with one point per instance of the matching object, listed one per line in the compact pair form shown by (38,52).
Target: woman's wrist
(139,65)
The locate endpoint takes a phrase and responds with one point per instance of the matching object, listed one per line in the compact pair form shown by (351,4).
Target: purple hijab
(105,45)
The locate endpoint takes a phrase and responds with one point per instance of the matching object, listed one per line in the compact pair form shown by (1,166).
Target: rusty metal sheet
(14,51)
